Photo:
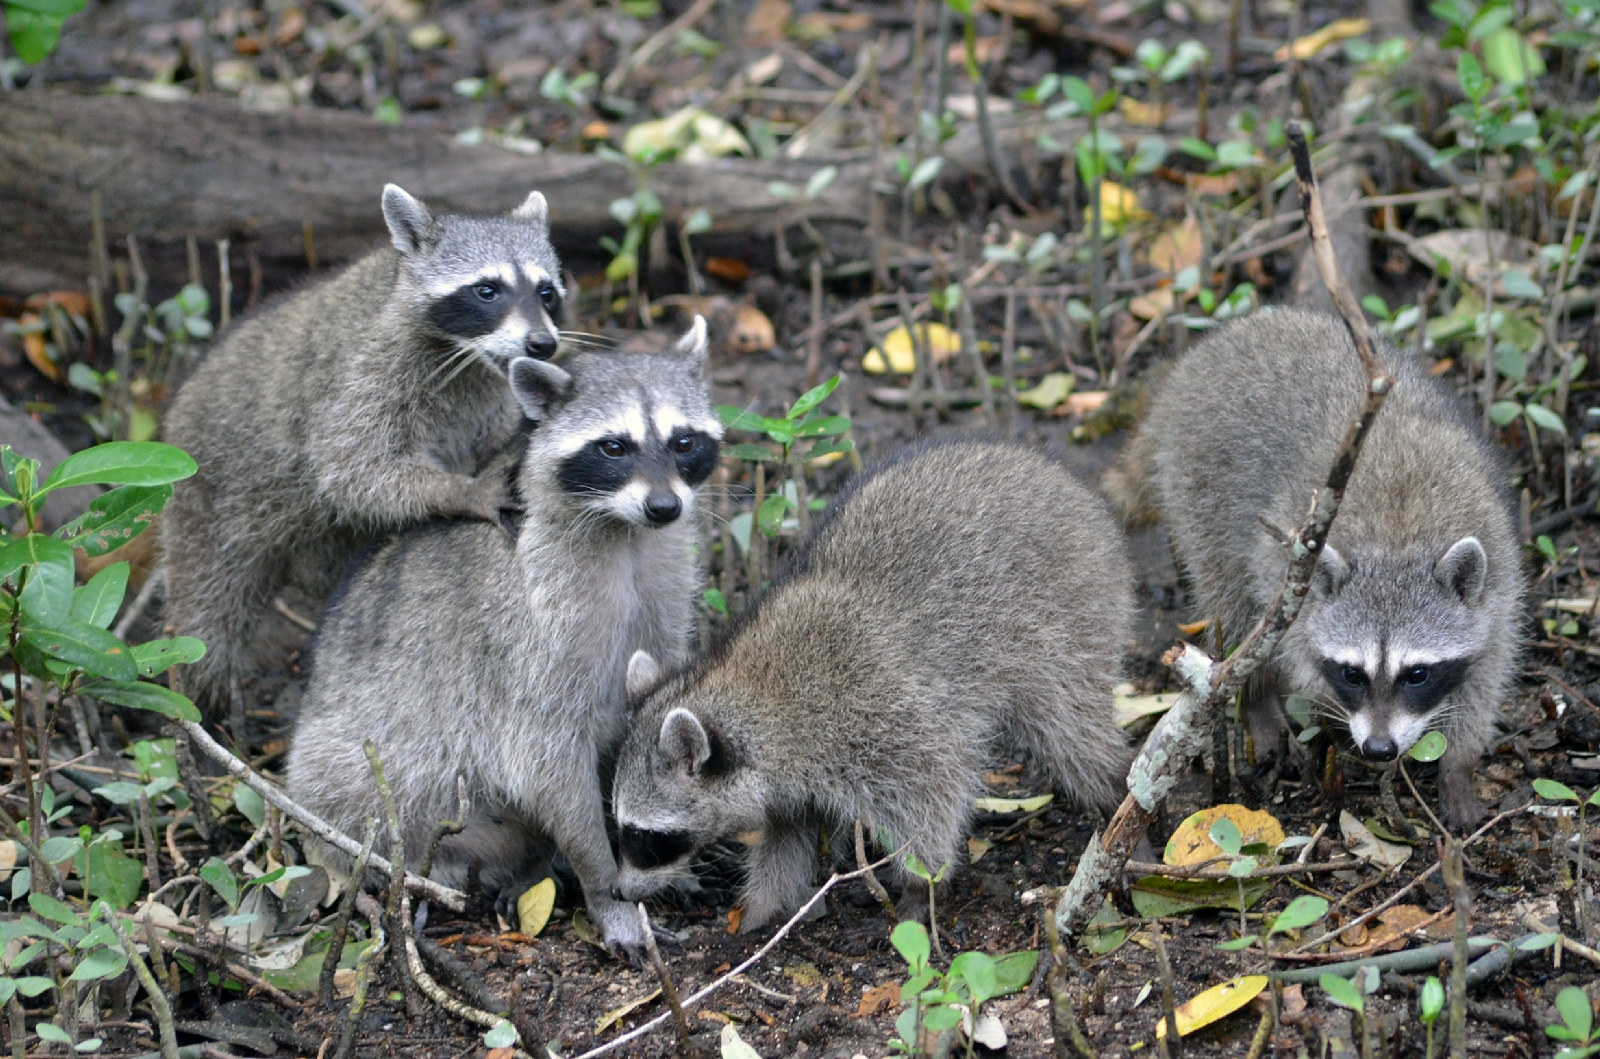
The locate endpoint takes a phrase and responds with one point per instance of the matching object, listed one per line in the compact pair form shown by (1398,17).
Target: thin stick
(399,922)
(969,345)
(662,37)
(871,877)
(738,972)
(224,282)
(454,900)
(1275,871)
(668,986)
(158,999)
(445,828)
(1063,1016)
(1008,362)
(1174,1045)
(358,1002)
(1455,880)
(814,342)
(347,908)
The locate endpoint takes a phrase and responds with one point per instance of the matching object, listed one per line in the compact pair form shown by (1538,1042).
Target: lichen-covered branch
(1182,733)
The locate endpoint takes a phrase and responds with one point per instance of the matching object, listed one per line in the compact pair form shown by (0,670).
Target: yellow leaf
(976,848)
(1119,206)
(1154,305)
(1307,46)
(1141,113)
(1193,628)
(1083,403)
(701,136)
(1177,247)
(8,858)
(1048,391)
(1014,805)
(534,907)
(616,1015)
(1191,842)
(1214,1003)
(942,342)
(752,331)
(1125,709)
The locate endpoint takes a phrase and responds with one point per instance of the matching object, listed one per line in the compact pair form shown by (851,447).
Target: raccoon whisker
(588,336)
(461,366)
(461,353)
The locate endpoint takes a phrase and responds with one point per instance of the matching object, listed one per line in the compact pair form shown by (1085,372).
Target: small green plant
(1159,67)
(573,91)
(1577,1025)
(933,878)
(1301,913)
(1429,1004)
(1351,993)
(803,421)
(936,1003)
(35,25)
(91,950)
(1560,792)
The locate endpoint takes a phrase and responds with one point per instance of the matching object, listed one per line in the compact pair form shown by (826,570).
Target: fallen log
(272,182)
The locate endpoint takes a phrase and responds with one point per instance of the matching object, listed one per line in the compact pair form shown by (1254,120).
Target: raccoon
(354,407)
(961,595)
(1411,620)
(460,651)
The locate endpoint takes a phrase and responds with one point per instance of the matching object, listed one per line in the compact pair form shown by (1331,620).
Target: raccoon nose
(1380,748)
(542,346)
(662,508)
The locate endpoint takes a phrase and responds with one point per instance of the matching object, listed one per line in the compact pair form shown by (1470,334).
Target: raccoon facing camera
(531,636)
(1411,621)
(914,633)
(359,405)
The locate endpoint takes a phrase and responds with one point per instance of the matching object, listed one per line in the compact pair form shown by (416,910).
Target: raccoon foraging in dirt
(359,405)
(960,596)
(1411,623)
(459,651)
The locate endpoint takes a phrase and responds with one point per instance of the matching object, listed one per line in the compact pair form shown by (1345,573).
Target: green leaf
(828,446)
(1225,833)
(813,397)
(1430,747)
(33,35)
(34,548)
(1197,149)
(1302,912)
(825,425)
(735,418)
(1470,74)
(287,873)
(220,877)
(1518,285)
(55,911)
(122,463)
(1078,91)
(112,874)
(139,696)
(941,1018)
(120,793)
(1376,306)
(977,970)
(910,940)
(1556,792)
(61,848)
(102,963)
(1538,942)
(501,1035)
(925,173)
(1014,970)
(34,985)
(1238,943)
(157,656)
(769,516)
(1573,1005)
(1242,867)
(97,602)
(1155,895)
(821,180)
(1431,1001)
(115,518)
(1511,59)
(1503,413)
(249,802)
(1342,992)
(81,645)
(716,601)
(1544,418)
(49,1031)
(754,453)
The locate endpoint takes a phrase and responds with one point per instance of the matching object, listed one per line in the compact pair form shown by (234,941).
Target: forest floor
(513,73)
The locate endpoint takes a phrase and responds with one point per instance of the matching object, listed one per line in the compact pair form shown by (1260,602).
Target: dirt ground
(813,994)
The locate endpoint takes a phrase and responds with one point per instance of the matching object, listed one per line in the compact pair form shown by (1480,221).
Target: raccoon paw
(619,927)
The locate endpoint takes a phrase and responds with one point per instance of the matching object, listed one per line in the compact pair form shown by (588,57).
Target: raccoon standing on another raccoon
(356,406)
(459,651)
(1411,620)
(962,595)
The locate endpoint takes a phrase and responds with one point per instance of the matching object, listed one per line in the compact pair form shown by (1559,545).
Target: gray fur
(1422,560)
(459,651)
(340,413)
(964,595)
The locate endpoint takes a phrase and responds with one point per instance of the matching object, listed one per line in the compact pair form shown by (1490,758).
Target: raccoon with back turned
(1411,621)
(960,596)
(357,406)
(460,651)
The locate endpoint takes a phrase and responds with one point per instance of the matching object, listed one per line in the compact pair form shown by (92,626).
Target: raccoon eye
(486,291)
(1353,675)
(685,443)
(548,296)
(1416,676)
(613,448)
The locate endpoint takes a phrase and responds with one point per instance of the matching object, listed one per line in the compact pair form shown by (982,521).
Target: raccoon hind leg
(1085,755)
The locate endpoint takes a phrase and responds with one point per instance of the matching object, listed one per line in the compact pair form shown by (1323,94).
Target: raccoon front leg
(569,801)
(1457,796)
(783,871)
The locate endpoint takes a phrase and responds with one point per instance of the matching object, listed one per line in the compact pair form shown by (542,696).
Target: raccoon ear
(693,342)
(409,221)
(642,675)
(534,209)
(684,741)
(538,386)
(1463,570)
(1332,571)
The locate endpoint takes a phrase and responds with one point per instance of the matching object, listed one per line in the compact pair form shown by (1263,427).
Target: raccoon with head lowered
(960,596)
(459,651)
(1411,623)
(354,407)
